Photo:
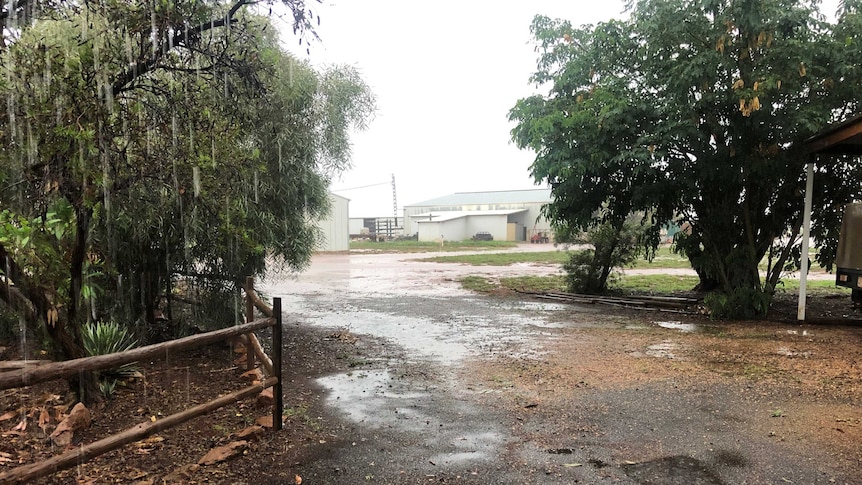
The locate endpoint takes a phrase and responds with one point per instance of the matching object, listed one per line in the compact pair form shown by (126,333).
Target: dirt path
(394,374)
(463,388)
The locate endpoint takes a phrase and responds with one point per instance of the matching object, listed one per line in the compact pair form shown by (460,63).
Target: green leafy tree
(148,142)
(695,111)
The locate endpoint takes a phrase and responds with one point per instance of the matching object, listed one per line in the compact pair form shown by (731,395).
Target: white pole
(806,233)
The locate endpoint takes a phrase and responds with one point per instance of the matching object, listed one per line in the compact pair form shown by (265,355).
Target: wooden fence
(59,370)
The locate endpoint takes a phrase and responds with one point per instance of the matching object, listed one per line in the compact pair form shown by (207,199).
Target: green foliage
(584,274)
(738,304)
(149,151)
(9,324)
(696,112)
(103,338)
(39,243)
(614,246)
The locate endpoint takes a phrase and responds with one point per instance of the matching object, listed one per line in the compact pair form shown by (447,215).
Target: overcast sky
(445,73)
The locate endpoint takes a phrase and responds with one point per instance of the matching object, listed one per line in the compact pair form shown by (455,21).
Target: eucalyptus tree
(146,140)
(694,112)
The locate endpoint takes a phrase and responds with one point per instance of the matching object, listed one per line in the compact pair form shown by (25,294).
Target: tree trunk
(67,334)
(706,284)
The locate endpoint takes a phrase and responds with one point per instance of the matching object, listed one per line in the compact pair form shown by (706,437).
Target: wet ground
(448,386)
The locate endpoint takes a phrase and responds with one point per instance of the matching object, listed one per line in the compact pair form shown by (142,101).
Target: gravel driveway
(444,385)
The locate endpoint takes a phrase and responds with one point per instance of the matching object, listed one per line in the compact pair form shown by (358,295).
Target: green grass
(535,283)
(478,283)
(813,287)
(503,259)
(427,246)
(654,284)
(518,283)
(664,258)
(658,283)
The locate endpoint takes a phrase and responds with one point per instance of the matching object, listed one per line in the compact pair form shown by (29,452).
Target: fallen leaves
(22,426)
(44,419)
(145,446)
(224,453)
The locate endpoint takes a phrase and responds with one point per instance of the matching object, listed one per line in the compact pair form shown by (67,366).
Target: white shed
(513,215)
(335,227)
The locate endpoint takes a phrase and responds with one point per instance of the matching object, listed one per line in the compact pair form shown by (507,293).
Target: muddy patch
(672,470)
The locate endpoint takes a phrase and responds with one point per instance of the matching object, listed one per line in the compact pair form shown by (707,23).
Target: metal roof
(450,215)
(494,197)
(841,139)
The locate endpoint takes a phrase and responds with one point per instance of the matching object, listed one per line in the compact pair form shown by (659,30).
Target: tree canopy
(146,142)
(694,112)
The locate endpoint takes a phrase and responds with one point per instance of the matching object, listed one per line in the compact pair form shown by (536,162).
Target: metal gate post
(278,406)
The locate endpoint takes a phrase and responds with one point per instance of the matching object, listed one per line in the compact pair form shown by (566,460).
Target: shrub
(738,304)
(615,246)
(102,338)
(584,273)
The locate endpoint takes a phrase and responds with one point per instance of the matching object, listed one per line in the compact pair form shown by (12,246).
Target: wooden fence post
(249,317)
(277,389)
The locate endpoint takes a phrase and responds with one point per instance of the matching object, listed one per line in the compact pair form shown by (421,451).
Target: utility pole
(394,201)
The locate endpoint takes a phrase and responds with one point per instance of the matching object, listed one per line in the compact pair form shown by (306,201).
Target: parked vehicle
(848,261)
(540,238)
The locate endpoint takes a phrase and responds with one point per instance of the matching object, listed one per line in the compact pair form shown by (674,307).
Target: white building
(335,227)
(513,215)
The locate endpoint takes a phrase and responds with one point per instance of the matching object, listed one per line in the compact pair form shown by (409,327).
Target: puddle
(469,447)
(682,327)
(787,352)
(672,470)
(541,306)
(374,399)
(663,350)
(804,333)
(447,336)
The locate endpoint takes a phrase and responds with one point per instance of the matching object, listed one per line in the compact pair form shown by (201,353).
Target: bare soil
(595,406)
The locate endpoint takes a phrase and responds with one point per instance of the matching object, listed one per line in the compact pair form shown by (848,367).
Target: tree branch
(143,67)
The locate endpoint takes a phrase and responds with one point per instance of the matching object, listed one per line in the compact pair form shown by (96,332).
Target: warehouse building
(334,227)
(513,215)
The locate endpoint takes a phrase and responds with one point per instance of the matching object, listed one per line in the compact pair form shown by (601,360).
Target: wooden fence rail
(60,370)
(22,474)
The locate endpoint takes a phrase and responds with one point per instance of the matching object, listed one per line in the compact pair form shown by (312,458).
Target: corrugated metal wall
(336,227)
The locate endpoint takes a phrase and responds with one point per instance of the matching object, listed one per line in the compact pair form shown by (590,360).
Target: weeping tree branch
(126,79)
(186,38)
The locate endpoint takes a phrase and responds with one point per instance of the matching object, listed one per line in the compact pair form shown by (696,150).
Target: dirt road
(439,385)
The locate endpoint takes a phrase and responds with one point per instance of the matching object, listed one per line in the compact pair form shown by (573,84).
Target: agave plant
(101,338)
